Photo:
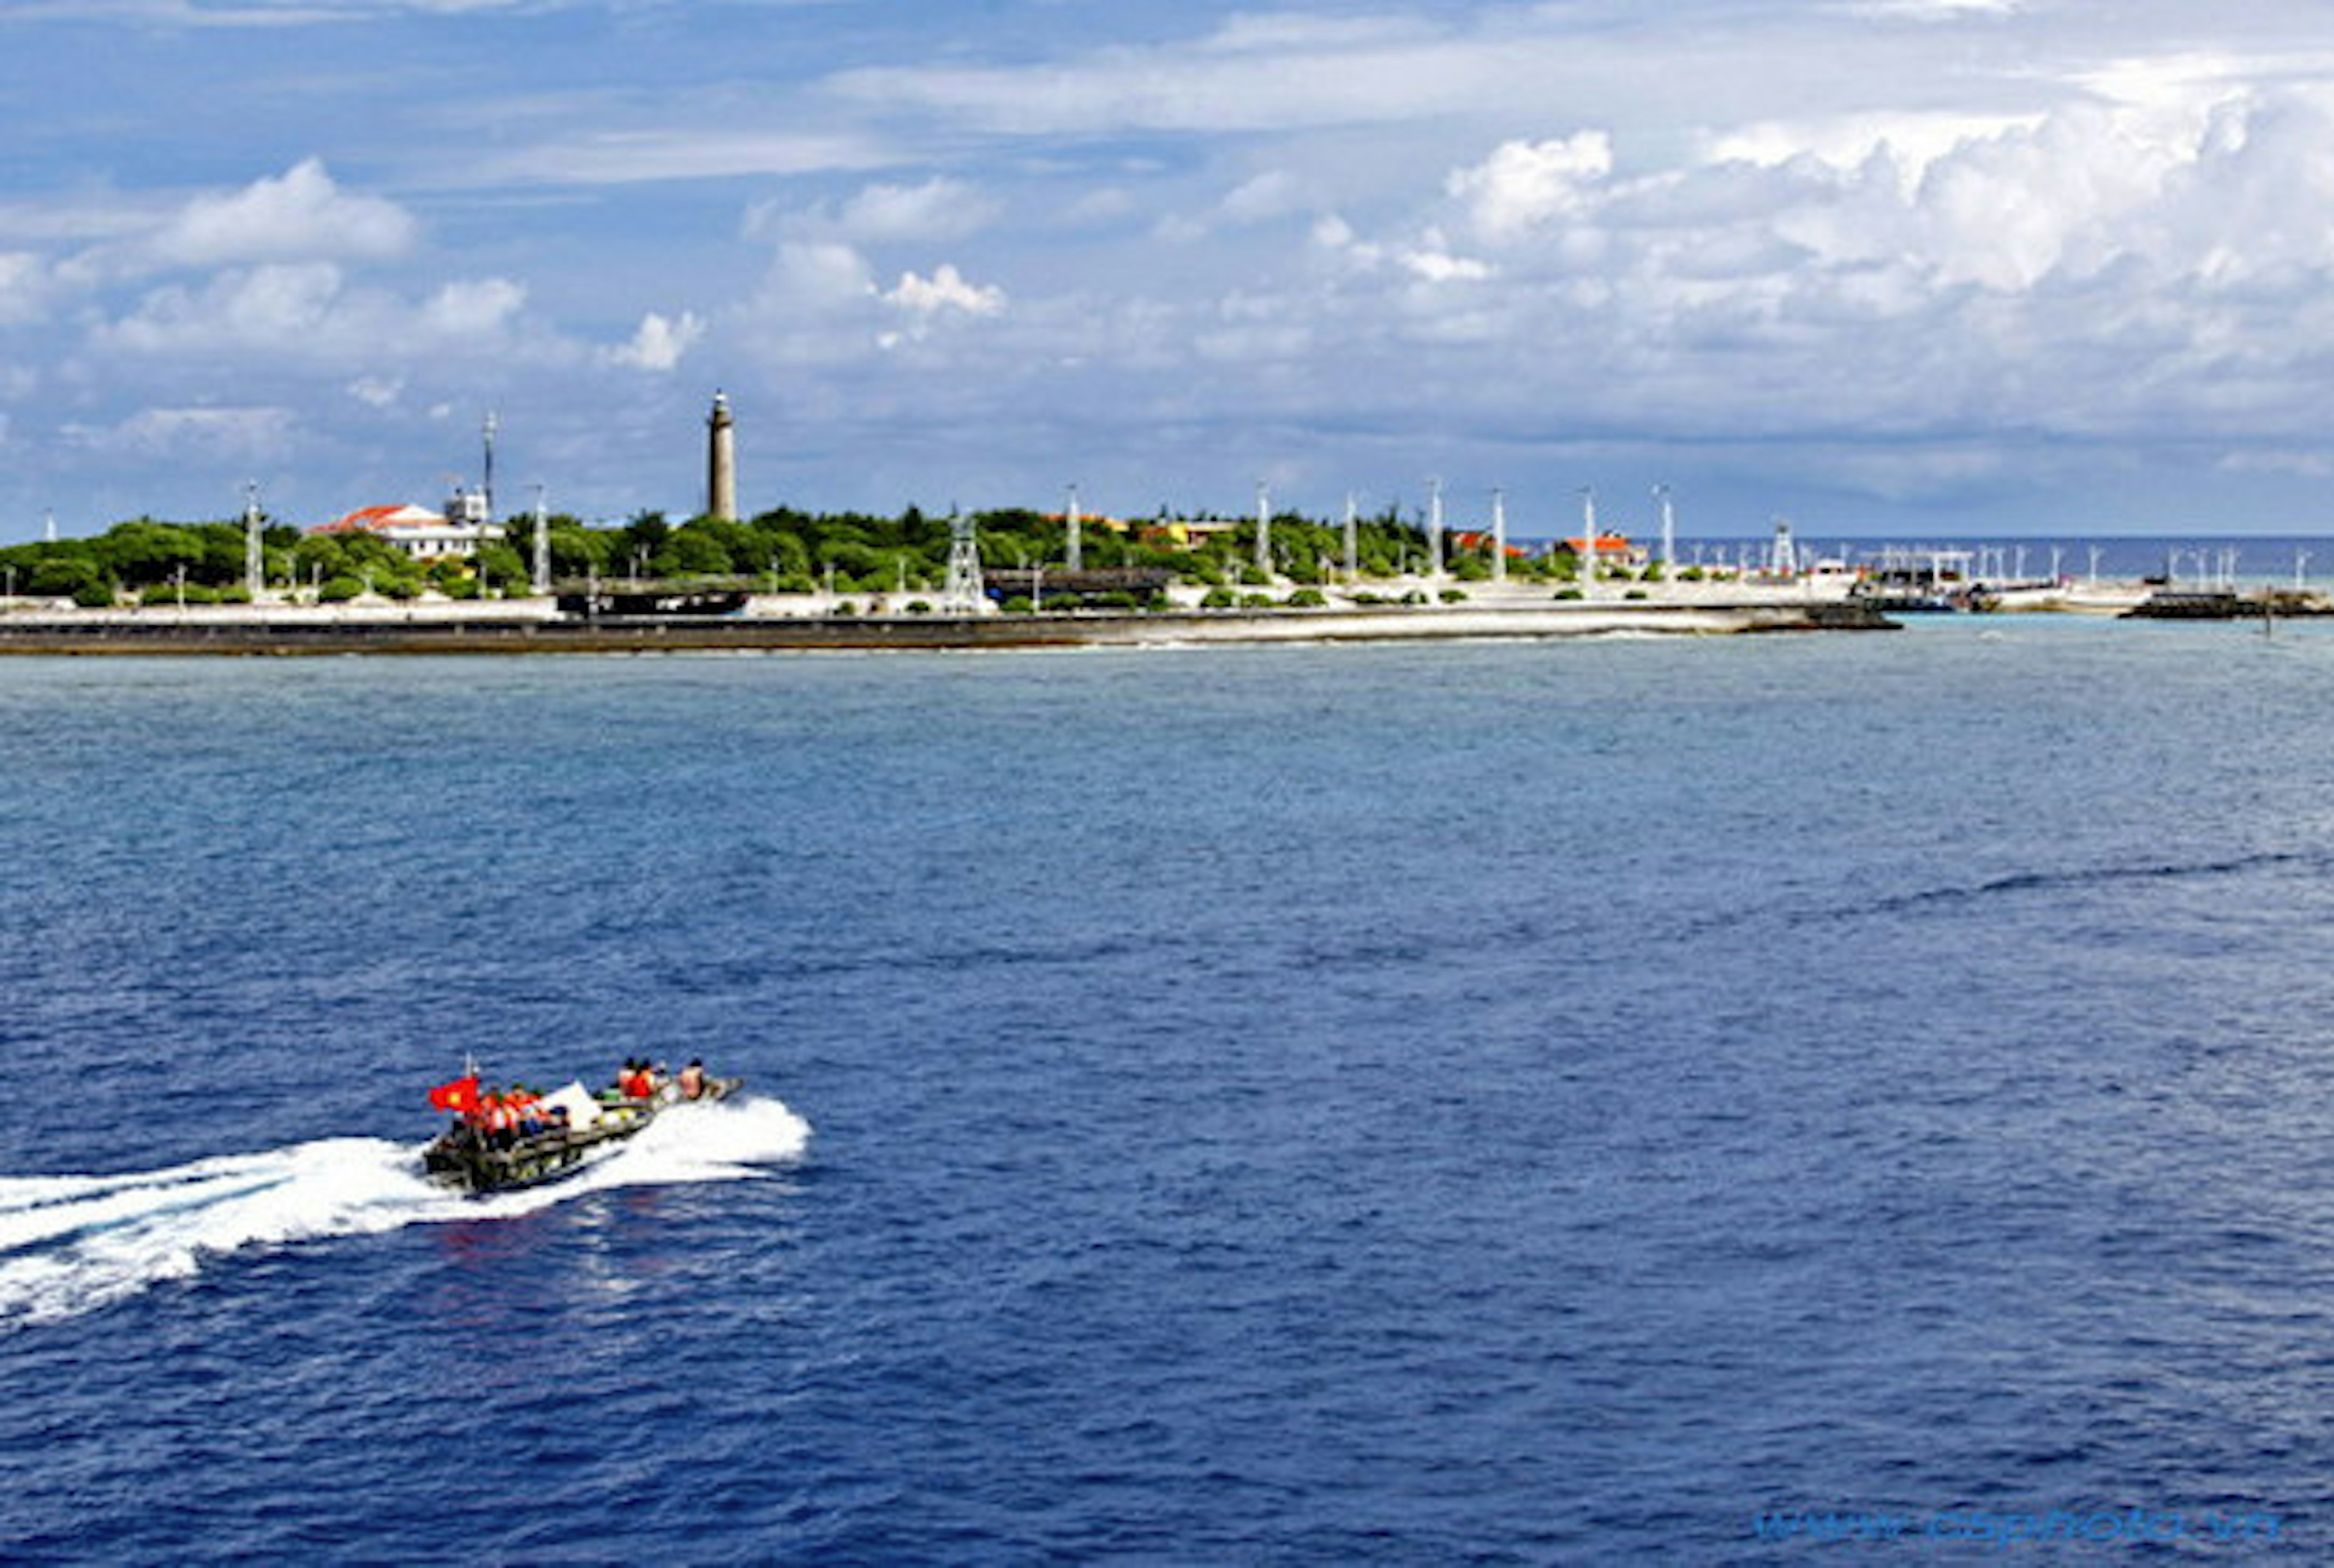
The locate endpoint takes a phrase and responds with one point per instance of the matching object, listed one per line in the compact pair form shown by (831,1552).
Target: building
(1612,549)
(423,535)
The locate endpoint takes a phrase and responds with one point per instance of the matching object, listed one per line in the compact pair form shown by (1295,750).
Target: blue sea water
(1617,1100)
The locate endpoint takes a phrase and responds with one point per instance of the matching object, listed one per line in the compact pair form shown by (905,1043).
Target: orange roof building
(418,532)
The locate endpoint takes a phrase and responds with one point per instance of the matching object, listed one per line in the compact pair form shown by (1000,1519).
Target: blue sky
(1888,267)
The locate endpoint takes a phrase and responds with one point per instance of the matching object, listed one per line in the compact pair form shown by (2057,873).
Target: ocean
(1743,1100)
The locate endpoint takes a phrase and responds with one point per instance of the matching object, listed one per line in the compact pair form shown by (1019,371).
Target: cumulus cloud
(301,214)
(2096,271)
(1525,184)
(311,314)
(660,341)
(944,292)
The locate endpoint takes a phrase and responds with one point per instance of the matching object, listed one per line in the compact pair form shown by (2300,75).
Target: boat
(577,1127)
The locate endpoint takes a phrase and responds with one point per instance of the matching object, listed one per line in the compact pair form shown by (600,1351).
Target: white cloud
(945,291)
(1934,10)
(310,314)
(936,209)
(198,435)
(814,274)
(637,157)
(23,288)
(300,216)
(1525,184)
(660,341)
(471,309)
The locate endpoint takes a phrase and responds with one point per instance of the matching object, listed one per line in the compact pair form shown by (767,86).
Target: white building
(421,534)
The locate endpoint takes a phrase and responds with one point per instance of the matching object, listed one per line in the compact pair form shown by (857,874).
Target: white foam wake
(71,1244)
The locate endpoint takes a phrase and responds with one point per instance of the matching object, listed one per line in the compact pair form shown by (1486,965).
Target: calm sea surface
(1629,1100)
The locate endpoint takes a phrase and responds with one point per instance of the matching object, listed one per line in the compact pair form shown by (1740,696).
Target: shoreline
(535,626)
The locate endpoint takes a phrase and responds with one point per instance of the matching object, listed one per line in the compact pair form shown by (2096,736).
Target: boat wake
(70,1244)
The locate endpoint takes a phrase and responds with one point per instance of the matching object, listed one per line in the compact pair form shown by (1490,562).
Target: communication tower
(1499,535)
(487,477)
(1783,556)
(964,592)
(1074,556)
(253,559)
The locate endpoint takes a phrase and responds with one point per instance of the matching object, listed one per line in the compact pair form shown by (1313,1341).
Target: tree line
(783,551)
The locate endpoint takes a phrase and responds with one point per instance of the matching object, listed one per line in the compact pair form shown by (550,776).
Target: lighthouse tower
(720,462)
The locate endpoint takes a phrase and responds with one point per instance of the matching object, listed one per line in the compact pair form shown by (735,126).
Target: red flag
(460,1096)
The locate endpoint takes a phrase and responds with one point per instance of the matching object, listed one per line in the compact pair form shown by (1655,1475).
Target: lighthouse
(720,462)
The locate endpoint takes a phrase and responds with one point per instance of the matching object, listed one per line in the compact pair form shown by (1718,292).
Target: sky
(1917,268)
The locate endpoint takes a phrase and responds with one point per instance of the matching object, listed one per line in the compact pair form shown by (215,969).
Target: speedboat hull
(462,1159)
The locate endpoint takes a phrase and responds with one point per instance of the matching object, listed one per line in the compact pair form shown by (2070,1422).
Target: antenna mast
(487,486)
(253,559)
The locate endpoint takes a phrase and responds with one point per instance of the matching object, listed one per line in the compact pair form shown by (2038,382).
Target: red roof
(373,519)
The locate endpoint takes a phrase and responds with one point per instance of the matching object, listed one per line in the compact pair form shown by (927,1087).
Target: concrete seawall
(437,630)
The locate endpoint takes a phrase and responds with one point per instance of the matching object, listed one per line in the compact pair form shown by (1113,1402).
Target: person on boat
(692,1080)
(638,1082)
(502,1125)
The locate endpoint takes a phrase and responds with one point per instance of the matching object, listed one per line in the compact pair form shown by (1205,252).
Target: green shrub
(1218,599)
(1455,596)
(94,596)
(1308,599)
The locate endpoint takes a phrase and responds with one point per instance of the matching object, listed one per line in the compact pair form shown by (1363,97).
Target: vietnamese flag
(460,1096)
